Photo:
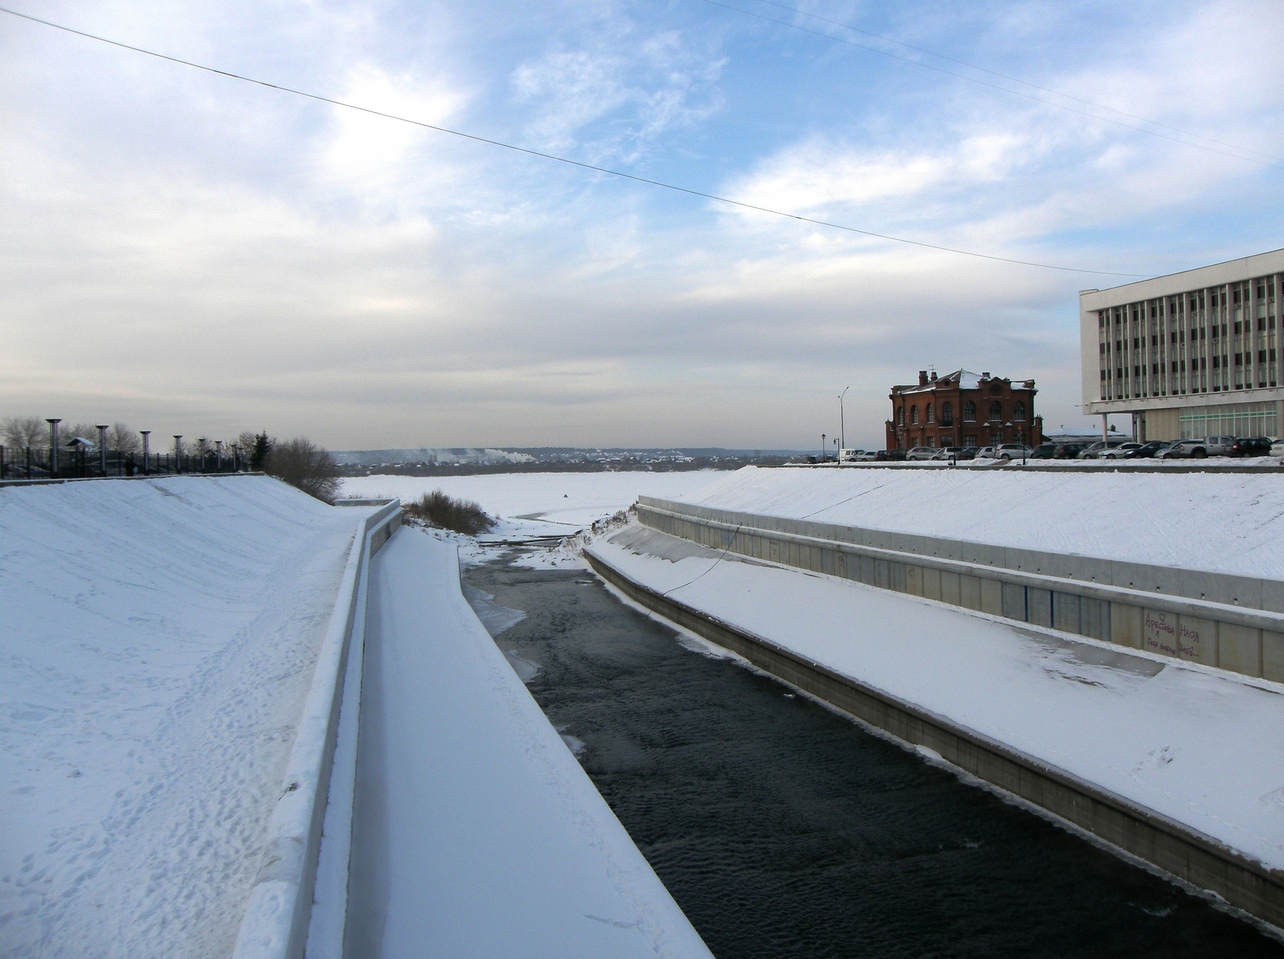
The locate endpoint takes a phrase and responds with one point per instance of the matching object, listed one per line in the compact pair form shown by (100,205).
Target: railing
(277,918)
(35,463)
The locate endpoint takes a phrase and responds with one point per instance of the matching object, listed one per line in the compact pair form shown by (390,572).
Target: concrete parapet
(1233,622)
(1171,846)
(277,917)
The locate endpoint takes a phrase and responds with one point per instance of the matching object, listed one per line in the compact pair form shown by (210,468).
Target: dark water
(784,830)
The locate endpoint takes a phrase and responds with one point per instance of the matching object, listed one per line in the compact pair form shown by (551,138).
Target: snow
(1196,744)
(1216,521)
(539,504)
(158,644)
(477,833)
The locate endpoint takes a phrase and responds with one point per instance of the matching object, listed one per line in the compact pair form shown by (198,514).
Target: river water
(785,830)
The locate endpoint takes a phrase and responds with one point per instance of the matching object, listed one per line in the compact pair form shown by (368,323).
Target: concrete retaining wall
(1232,622)
(1174,848)
(276,920)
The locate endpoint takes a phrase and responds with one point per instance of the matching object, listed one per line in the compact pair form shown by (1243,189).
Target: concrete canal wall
(1231,622)
(1174,847)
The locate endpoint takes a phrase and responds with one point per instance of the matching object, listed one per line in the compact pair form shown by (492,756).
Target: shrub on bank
(438,509)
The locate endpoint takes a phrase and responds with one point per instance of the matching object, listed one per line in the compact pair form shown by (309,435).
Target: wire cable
(729,201)
(1267,159)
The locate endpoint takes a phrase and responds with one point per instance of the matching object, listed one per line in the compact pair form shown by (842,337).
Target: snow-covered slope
(1218,521)
(157,639)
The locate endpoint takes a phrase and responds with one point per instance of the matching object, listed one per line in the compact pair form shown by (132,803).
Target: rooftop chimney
(985,375)
(922,377)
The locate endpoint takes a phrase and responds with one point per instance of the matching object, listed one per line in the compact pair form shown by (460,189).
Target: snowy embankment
(1197,745)
(159,638)
(476,832)
(1220,522)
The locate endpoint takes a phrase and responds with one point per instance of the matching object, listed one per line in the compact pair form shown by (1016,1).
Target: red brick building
(963,409)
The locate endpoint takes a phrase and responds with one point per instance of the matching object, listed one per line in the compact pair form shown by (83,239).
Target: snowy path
(158,642)
(476,832)
(1198,745)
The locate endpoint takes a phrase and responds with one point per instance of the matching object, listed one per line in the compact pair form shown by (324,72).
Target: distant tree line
(297,461)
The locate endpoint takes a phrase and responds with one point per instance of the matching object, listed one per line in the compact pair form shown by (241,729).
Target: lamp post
(218,456)
(178,452)
(102,447)
(842,425)
(822,447)
(146,434)
(53,444)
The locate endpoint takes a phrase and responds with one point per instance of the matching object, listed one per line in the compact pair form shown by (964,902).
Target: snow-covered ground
(539,504)
(1196,744)
(1218,521)
(157,640)
(477,832)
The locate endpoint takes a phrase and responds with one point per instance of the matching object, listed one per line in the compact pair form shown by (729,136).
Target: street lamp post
(53,445)
(102,447)
(842,425)
(822,447)
(146,434)
(178,452)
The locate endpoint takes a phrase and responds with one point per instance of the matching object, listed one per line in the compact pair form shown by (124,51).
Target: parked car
(1148,450)
(1044,451)
(1251,446)
(968,453)
(921,453)
(890,455)
(1068,451)
(1012,451)
(1093,450)
(1119,452)
(1277,448)
(1185,449)
(849,456)
(986,453)
(867,456)
(947,453)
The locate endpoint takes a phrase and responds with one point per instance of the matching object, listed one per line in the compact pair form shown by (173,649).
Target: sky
(191,253)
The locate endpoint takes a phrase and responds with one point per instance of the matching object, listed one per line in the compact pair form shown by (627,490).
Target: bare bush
(445,512)
(303,464)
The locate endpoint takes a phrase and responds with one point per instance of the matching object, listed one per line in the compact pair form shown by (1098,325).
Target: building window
(947,414)
(1018,412)
(931,413)
(914,416)
(996,411)
(969,412)
(900,416)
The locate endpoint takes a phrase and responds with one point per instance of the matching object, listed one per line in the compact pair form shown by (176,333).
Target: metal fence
(78,462)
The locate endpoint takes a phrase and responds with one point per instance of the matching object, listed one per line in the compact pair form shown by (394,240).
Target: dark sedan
(1148,450)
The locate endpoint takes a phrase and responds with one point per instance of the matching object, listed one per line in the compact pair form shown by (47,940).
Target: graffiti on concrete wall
(1165,633)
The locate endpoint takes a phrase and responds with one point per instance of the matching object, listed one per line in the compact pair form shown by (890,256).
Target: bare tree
(23,431)
(121,437)
(302,463)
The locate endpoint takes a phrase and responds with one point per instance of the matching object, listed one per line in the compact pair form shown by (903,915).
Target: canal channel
(783,829)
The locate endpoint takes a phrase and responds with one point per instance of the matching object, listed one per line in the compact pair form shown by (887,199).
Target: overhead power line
(729,201)
(1254,156)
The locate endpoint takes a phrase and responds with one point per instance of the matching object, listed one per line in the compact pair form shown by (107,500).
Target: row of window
(1159,330)
(969,413)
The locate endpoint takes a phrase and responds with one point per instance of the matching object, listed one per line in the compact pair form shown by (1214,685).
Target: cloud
(617,90)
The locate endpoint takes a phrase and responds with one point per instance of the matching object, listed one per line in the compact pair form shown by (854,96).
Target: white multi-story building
(1191,354)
